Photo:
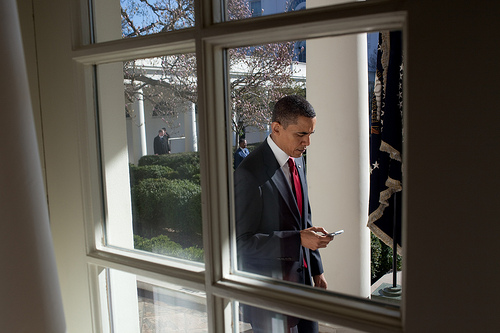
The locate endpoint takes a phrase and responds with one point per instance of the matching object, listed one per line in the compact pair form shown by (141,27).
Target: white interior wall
(59,127)
(31,298)
(451,167)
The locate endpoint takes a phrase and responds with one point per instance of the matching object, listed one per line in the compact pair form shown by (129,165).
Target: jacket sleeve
(316,264)
(156,149)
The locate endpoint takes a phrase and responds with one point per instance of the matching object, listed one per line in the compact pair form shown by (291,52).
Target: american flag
(386,141)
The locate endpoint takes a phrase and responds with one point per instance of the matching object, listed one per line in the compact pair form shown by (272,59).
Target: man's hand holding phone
(333,234)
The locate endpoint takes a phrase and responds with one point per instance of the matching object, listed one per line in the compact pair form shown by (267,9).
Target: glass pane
(243,9)
(256,320)
(129,303)
(149,145)
(132,18)
(275,233)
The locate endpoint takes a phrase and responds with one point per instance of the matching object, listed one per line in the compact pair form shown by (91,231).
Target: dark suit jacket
(268,221)
(159,146)
(239,155)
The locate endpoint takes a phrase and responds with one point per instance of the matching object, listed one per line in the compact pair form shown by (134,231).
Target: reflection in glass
(259,76)
(158,144)
(146,17)
(243,9)
(129,303)
(254,319)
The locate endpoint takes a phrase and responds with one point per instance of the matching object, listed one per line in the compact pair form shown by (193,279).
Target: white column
(138,127)
(191,141)
(338,159)
(31,297)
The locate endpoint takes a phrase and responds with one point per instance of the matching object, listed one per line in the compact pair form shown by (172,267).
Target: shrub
(193,253)
(139,173)
(376,253)
(167,203)
(381,259)
(189,171)
(141,243)
(187,164)
(171,160)
(163,245)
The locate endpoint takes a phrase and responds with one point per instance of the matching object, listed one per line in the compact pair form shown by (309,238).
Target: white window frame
(209,40)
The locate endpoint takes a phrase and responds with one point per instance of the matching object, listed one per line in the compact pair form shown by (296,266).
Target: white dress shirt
(281,157)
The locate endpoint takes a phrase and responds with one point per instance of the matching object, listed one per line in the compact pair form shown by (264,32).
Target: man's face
(294,139)
(243,144)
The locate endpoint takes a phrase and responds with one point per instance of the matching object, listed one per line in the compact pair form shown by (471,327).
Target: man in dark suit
(240,153)
(275,236)
(159,146)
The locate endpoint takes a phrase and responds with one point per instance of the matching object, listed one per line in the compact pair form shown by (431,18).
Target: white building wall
(182,128)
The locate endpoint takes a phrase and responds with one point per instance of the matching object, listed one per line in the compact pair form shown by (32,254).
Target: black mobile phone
(336,233)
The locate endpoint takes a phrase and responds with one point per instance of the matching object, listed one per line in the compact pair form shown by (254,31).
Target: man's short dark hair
(289,108)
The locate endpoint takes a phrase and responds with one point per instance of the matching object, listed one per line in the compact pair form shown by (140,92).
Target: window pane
(339,73)
(259,76)
(132,18)
(243,9)
(150,155)
(129,303)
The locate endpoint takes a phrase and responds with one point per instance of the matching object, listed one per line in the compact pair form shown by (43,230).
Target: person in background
(166,140)
(159,146)
(240,153)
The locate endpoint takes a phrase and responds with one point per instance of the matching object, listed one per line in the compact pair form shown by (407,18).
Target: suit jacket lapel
(279,179)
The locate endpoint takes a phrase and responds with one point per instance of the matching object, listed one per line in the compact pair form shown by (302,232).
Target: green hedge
(167,203)
(186,164)
(381,259)
(139,173)
(163,245)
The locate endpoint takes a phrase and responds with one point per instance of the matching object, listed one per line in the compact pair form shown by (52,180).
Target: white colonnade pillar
(338,158)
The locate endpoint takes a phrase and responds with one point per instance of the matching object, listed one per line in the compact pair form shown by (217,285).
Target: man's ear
(275,127)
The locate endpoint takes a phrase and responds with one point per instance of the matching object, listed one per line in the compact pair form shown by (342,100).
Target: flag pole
(394,290)
(394,245)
